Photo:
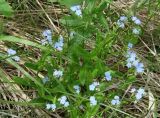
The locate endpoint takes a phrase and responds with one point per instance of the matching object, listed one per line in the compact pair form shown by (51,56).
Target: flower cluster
(59,45)
(132,60)
(93,101)
(12,52)
(63,101)
(77,88)
(93,86)
(121,21)
(50,106)
(140,93)
(137,21)
(47,34)
(77,10)
(115,101)
(58,73)
(108,76)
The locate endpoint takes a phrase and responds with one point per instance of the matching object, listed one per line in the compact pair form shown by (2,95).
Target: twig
(55,28)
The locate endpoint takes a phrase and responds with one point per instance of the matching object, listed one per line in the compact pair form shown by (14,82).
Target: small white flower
(120,24)
(140,93)
(136,31)
(58,73)
(129,65)
(96,84)
(77,10)
(133,90)
(91,87)
(108,76)
(130,45)
(11,52)
(47,34)
(62,100)
(123,18)
(116,97)
(138,96)
(59,45)
(53,106)
(93,101)
(115,101)
(134,18)
(16,58)
(48,106)
(77,88)
(66,104)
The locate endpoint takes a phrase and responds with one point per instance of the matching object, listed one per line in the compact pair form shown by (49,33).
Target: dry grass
(29,23)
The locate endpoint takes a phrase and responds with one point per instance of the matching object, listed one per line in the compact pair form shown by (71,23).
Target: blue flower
(59,45)
(115,101)
(12,52)
(139,68)
(47,34)
(140,93)
(136,31)
(136,20)
(108,76)
(130,45)
(93,101)
(120,24)
(123,18)
(77,10)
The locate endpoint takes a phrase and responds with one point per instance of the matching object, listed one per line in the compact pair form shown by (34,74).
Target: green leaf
(70,3)
(5,8)
(31,66)
(23,41)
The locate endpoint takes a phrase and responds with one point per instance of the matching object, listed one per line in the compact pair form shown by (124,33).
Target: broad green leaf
(5,8)
(23,41)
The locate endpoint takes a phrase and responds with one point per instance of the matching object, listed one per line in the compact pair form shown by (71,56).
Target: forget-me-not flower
(47,34)
(50,106)
(93,86)
(120,24)
(108,76)
(59,45)
(77,10)
(136,20)
(115,101)
(63,101)
(123,18)
(58,73)
(136,31)
(140,93)
(77,88)
(93,101)
(12,52)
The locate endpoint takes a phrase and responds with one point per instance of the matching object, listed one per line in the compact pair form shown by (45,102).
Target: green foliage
(5,8)
(85,58)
